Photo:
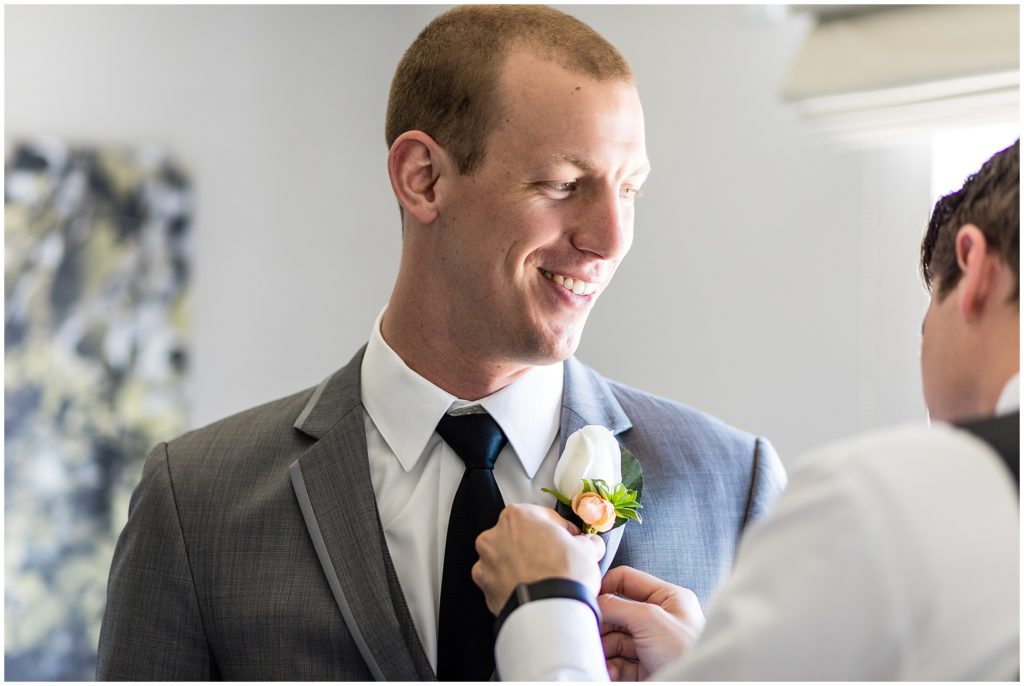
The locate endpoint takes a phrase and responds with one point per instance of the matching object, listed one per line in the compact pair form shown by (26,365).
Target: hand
(530,543)
(653,623)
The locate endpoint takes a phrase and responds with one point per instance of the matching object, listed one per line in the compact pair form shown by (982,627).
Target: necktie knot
(476,438)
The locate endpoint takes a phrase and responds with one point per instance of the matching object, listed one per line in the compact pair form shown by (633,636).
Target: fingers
(485,546)
(656,634)
(531,542)
(594,544)
(566,524)
(640,586)
(632,583)
(618,644)
(523,512)
(630,615)
(491,594)
(530,511)
(556,518)
(620,669)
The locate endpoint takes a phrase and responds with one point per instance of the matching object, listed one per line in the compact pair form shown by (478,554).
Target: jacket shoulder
(261,433)
(654,414)
(682,439)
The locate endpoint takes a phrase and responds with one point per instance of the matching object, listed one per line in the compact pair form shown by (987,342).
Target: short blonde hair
(447,82)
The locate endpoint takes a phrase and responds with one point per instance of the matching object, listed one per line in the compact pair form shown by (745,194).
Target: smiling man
(503,264)
(329,535)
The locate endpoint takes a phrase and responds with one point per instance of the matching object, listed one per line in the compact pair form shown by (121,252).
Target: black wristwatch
(547,588)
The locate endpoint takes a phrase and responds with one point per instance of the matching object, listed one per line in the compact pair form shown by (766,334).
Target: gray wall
(772,281)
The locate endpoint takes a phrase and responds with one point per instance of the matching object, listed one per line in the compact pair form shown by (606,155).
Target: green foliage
(632,475)
(558,496)
(623,499)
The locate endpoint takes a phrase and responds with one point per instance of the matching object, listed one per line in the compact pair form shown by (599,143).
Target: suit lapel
(587,399)
(332,484)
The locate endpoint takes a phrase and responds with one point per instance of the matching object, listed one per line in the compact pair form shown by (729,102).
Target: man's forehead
(642,168)
(524,67)
(536,85)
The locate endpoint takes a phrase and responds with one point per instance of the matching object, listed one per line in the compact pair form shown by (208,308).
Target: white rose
(590,453)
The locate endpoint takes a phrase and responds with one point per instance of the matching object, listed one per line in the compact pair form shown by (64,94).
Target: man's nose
(606,229)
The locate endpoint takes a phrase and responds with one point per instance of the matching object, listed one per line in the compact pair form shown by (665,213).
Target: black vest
(1003,435)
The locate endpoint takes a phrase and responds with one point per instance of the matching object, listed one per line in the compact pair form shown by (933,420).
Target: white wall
(773,279)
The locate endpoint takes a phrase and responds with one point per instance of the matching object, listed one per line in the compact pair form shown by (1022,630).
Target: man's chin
(547,344)
(557,349)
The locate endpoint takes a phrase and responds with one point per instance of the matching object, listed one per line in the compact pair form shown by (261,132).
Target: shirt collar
(405,407)
(1009,399)
(528,411)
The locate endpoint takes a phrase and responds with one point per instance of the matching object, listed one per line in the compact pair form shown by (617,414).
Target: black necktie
(465,627)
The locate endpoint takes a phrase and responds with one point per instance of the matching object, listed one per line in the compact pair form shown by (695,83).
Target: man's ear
(977,271)
(415,163)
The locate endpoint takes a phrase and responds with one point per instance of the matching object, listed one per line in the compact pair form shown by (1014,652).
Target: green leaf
(558,496)
(601,488)
(626,514)
(632,474)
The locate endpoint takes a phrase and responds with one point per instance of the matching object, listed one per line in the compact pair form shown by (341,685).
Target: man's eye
(566,186)
(630,193)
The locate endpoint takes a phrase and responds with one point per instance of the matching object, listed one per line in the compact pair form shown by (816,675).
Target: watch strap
(554,587)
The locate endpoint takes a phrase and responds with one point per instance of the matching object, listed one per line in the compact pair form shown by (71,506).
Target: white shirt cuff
(555,639)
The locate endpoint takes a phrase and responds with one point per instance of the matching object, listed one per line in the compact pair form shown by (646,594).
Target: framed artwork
(96,279)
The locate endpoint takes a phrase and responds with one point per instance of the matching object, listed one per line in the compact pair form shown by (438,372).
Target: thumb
(625,614)
(551,515)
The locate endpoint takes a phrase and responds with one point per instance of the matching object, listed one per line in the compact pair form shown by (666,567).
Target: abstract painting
(96,278)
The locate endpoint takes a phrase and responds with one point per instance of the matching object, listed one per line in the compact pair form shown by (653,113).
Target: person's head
(516,150)
(970,260)
(447,83)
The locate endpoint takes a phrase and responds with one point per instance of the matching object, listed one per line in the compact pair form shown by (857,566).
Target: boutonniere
(597,482)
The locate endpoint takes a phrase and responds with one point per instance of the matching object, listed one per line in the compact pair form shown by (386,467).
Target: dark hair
(447,82)
(989,199)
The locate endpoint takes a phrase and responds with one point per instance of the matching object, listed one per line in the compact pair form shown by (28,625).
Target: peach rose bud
(595,511)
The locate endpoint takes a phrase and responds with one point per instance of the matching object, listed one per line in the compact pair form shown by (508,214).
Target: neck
(1006,362)
(427,347)
(1000,362)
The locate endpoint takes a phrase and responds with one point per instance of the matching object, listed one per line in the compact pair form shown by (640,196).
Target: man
(891,556)
(329,535)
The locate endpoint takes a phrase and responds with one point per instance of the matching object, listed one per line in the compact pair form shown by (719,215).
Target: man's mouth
(577,286)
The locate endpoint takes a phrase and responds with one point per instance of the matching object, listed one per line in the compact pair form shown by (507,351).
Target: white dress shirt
(893,556)
(415,474)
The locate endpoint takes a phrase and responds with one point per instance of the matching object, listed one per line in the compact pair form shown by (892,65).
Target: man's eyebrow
(583,165)
(587,167)
(642,171)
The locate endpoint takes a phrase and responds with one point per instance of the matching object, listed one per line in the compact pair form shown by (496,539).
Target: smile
(577,286)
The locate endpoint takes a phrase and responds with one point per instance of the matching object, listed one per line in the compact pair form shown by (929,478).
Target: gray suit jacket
(253,548)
